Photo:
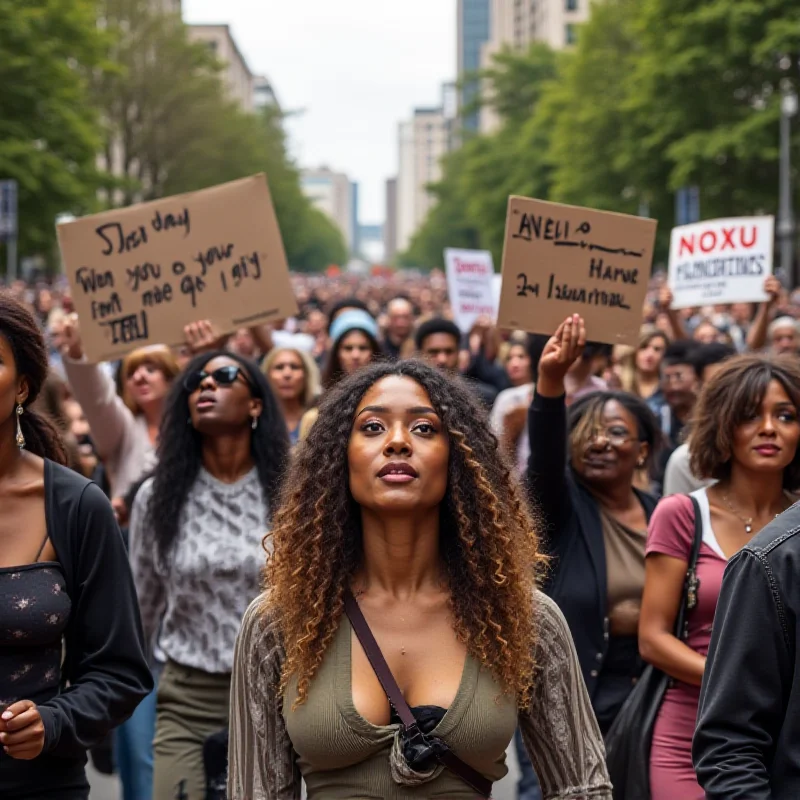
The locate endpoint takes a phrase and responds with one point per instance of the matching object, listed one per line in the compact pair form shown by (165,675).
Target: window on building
(570,34)
(572,5)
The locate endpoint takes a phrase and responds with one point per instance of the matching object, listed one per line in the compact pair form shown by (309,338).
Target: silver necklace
(747,521)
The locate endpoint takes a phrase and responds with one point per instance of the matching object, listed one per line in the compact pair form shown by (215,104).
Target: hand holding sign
(562,350)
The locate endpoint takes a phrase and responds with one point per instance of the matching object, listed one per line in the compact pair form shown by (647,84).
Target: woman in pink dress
(746,438)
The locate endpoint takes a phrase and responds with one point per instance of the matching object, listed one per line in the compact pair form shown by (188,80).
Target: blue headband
(353,320)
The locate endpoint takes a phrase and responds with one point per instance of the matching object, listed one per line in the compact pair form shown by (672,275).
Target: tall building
(332,193)
(263,93)
(390,226)
(519,23)
(238,80)
(473,24)
(424,140)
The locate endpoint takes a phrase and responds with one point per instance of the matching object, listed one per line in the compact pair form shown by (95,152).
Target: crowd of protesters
(648,470)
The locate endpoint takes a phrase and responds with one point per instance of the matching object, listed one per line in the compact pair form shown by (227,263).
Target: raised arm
(676,325)
(748,679)
(559,728)
(757,335)
(262,764)
(108,416)
(547,423)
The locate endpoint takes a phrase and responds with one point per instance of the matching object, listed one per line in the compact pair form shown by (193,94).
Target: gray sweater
(214,572)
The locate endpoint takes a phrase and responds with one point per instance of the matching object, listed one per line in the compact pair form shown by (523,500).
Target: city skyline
(353,76)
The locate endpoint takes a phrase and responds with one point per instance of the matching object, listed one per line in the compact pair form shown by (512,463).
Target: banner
(560,260)
(720,261)
(140,274)
(470,276)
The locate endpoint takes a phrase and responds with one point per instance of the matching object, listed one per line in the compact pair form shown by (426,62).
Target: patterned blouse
(559,727)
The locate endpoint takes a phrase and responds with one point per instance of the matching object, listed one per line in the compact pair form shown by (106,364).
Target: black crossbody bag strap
(470,776)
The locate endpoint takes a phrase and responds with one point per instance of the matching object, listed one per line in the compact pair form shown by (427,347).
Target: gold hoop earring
(20,437)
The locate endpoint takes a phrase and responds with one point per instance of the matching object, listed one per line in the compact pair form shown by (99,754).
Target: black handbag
(630,737)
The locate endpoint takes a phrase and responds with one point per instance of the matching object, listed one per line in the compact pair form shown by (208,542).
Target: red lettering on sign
(752,241)
(707,248)
(687,244)
(471,268)
(728,238)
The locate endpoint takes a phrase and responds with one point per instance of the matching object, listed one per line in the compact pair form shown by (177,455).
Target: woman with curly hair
(401,506)
(72,663)
(196,530)
(746,436)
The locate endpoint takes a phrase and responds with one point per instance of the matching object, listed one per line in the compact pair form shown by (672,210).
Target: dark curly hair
(728,399)
(20,328)
(180,452)
(488,541)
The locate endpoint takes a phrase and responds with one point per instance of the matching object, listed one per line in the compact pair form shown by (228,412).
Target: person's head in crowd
(146,375)
(680,376)
(80,430)
(343,306)
(747,421)
(706,333)
(612,436)
(55,328)
(354,344)
(517,362)
(709,358)
(242,343)
(44,303)
(24,369)
(316,323)
(742,313)
(401,444)
(621,372)
(650,351)
(399,320)
(294,377)
(438,341)
(783,335)
(221,403)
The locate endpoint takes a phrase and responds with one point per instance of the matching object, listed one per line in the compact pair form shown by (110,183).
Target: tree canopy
(656,95)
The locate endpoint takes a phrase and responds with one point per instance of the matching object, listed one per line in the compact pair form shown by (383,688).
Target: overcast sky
(354,68)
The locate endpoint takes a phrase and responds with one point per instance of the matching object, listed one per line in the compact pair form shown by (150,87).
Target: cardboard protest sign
(140,274)
(560,260)
(720,261)
(469,285)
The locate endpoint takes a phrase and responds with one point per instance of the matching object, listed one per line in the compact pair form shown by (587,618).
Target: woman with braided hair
(400,513)
(72,663)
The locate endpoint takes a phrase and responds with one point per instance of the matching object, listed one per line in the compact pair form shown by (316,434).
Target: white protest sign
(720,261)
(470,285)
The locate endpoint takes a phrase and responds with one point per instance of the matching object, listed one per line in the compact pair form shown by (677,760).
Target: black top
(573,536)
(105,673)
(747,744)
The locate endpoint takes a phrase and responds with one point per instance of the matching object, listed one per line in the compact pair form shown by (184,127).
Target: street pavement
(104,788)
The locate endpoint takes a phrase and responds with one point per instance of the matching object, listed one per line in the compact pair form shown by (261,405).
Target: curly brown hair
(488,540)
(727,400)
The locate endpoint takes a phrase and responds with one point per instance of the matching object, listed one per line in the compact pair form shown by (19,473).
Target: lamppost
(785,212)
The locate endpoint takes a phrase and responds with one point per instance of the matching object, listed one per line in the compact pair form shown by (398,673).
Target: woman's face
(398,454)
(147,384)
(355,351)
(287,376)
(13,389)
(648,357)
(219,409)
(614,451)
(706,333)
(768,441)
(519,365)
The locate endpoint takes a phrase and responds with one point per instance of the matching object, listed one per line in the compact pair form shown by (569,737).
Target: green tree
(49,132)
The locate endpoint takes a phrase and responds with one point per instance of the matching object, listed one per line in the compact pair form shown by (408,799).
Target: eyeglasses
(222,376)
(614,438)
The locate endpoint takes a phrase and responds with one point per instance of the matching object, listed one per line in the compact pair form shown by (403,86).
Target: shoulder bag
(630,737)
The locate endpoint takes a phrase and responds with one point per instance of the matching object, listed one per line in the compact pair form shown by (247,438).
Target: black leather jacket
(747,743)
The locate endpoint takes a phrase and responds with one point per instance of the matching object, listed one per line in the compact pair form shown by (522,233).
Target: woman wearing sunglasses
(581,474)
(196,532)
(400,505)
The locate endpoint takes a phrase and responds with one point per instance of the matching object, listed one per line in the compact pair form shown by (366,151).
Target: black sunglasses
(223,376)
